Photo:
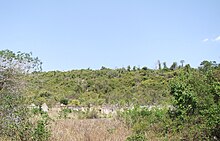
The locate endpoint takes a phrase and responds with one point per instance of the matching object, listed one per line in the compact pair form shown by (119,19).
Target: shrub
(15,117)
(36,111)
(64,113)
(136,137)
(75,102)
(142,120)
(42,131)
(196,105)
(64,101)
(93,114)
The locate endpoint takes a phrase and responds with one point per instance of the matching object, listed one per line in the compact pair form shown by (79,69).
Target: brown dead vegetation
(89,130)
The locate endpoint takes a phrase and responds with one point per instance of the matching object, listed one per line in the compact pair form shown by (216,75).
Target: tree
(103,68)
(165,66)
(14,120)
(185,101)
(129,68)
(173,66)
(196,100)
(144,68)
(182,61)
(134,68)
(206,66)
(159,64)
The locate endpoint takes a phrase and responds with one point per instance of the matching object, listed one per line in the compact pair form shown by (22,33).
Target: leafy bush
(137,137)
(15,118)
(14,121)
(143,120)
(196,104)
(64,101)
(75,102)
(36,111)
(64,113)
(42,131)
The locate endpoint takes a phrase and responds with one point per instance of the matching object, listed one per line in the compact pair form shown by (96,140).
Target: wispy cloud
(217,38)
(205,40)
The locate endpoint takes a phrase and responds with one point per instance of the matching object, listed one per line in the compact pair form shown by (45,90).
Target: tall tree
(159,64)
(165,66)
(129,68)
(173,66)
(182,62)
(14,120)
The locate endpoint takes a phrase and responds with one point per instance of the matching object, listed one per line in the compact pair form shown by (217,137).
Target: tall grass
(89,130)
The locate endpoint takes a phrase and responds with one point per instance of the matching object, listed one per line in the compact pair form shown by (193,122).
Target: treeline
(123,86)
(104,86)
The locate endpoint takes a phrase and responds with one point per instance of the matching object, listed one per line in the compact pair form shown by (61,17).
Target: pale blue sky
(76,34)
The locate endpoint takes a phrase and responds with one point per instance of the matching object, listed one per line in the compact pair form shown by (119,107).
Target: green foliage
(185,102)
(64,101)
(196,103)
(143,120)
(216,91)
(36,111)
(144,68)
(194,114)
(45,94)
(23,62)
(40,100)
(105,86)
(64,113)
(192,93)
(74,102)
(165,66)
(173,66)
(15,119)
(42,131)
(136,137)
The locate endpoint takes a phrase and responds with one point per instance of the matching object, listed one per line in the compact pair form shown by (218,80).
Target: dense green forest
(193,94)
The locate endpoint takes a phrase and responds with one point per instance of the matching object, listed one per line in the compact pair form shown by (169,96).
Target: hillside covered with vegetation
(124,86)
(192,93)
(104,86)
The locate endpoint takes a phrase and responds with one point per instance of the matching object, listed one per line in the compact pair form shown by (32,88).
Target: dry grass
(89,130)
